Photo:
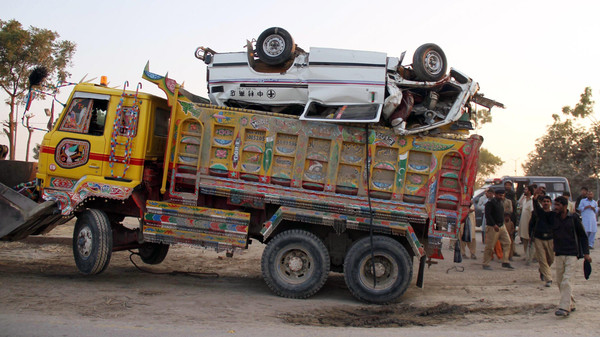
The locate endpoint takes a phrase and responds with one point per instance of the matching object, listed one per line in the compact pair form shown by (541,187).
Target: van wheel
(153,253)
(92,242)
(295,264)
(275,46)
(429,62)
(393,270)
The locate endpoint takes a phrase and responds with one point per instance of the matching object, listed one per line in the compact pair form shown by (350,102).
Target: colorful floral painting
(72,153)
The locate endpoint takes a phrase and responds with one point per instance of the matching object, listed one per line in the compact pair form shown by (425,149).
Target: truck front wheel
(295,264)
(92,242)
(393,270)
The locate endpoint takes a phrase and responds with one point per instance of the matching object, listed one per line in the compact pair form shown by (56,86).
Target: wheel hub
(379,269)
(274,45)
(385,269)
(295,264)
(84,242)
(433,62)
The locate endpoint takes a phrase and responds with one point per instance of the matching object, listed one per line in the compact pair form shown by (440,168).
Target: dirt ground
(199,292)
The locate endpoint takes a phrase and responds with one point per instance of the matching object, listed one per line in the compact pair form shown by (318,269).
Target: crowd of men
(553,232)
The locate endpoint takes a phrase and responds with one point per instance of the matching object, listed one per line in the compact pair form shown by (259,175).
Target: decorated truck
(321,195)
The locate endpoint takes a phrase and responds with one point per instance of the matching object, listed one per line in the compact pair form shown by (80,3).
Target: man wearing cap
(495,230)
(570,240)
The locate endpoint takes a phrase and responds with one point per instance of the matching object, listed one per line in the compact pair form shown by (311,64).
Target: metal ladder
(186,162)
(124,127)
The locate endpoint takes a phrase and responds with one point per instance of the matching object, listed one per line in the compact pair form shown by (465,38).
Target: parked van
(555,186)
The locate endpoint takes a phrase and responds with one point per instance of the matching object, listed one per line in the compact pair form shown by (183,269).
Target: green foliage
(488,165)
(480,117)
(567,149)
(36,151)
(584,108)
(21,51)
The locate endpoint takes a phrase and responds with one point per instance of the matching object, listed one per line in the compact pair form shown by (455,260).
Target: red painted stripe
(98,156)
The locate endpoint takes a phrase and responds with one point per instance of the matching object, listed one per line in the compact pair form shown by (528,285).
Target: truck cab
(103,135)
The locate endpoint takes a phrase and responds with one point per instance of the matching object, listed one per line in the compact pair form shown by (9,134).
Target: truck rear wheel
(153,253)
(295,264)
(393,270)
(92,242)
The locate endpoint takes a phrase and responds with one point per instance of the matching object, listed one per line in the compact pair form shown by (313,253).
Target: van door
(80,139)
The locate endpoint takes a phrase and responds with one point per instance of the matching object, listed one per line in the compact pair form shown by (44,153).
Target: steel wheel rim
(295,265)
(386,271)
(433,62)
(274,45)
(84,242)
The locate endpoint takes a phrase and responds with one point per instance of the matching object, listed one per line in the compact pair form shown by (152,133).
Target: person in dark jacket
(582,195)
(542,235)
(570,241)
(495,230)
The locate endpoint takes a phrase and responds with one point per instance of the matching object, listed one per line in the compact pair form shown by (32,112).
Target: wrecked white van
(274,74)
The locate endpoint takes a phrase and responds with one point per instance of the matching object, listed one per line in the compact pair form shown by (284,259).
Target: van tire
(429,63)
(275,46)
(392,260)
(295,264)
(92,242)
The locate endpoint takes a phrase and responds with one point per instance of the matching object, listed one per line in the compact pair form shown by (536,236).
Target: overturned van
(344,85)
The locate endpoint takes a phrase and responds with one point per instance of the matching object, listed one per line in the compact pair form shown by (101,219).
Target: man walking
(588,208)
(542,234)
(495,230)
(569,238)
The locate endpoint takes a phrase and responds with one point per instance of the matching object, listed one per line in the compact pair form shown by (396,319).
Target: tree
(567,149)
(36,151)
(21,50)
(480,117)
(488,164)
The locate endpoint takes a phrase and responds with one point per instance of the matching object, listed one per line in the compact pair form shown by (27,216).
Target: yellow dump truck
(322,196)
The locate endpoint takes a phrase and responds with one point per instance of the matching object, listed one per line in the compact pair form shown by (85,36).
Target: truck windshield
(86,114)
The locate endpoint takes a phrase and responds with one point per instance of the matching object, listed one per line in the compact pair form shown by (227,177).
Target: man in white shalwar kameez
(589,212)
(526,203)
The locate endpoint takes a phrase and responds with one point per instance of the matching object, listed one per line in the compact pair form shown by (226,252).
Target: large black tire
(153,253)
(92,242)
(393,270)
(429,62)
(295,264)
(275,46)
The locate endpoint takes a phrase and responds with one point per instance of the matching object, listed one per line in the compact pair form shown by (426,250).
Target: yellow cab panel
(84,145)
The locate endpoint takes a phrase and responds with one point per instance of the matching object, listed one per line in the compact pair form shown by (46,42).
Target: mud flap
(421,273)
(22,216)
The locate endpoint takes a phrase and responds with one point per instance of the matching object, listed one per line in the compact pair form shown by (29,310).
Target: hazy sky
(533,56)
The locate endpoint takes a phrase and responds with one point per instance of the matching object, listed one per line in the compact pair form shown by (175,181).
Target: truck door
(80,139)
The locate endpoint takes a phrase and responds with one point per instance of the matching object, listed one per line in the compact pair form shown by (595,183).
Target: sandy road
(42,294)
